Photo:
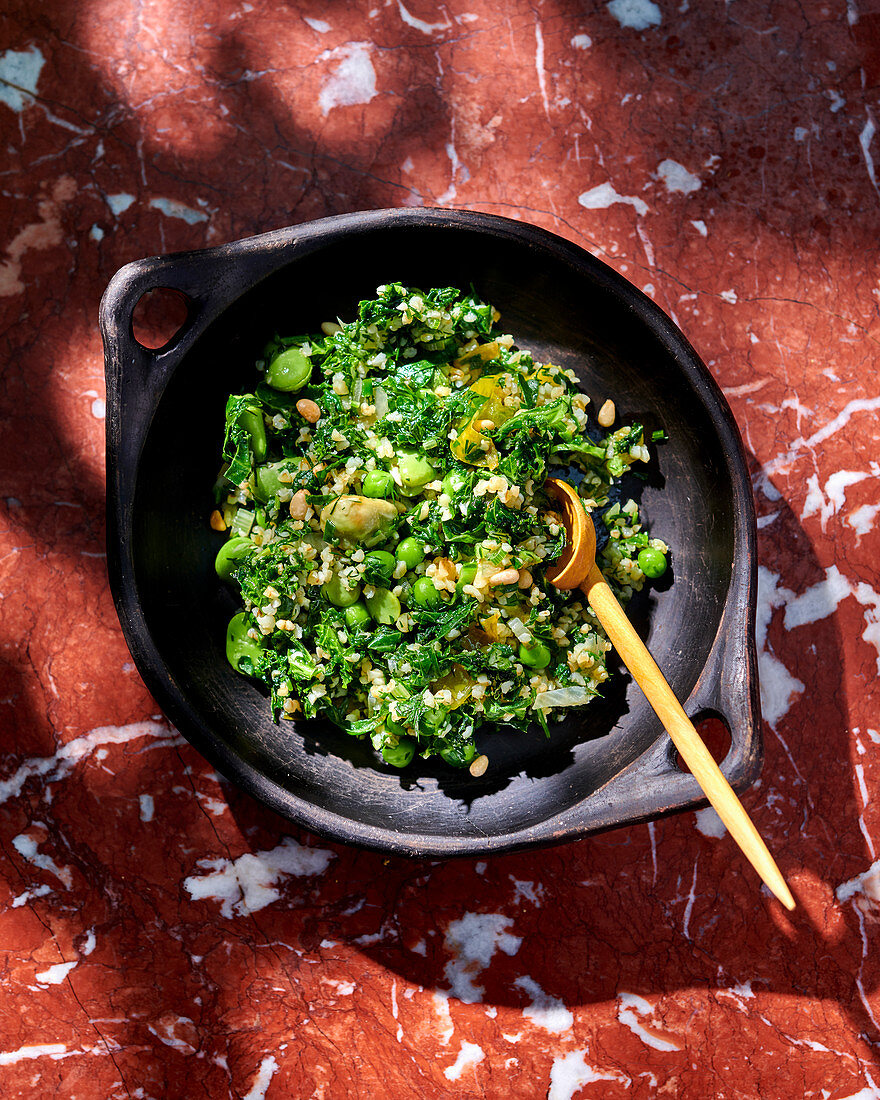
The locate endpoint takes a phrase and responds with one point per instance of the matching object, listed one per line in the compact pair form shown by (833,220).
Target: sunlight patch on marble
(822,599)
(38,236)
(863,520)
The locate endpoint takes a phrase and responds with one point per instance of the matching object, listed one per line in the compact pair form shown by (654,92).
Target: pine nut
(299,505)
(218,523)
(485,426)
(308,410)
(525,579)
(607,414)
(330,328)
(478,766)
(506,576)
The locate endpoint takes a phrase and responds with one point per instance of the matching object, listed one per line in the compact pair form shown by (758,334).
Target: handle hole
(716,737)
(158,317)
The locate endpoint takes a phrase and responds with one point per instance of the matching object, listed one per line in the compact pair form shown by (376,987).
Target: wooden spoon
(577,568)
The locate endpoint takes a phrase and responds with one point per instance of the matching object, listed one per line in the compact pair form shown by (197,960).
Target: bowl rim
(213,279)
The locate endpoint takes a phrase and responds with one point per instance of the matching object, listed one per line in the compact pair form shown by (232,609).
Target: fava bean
(242,652)
(230,554)
(415,472)
(454,482)
(267,480)
(340,593)
(289,370)
(536,655)
(384,606)
(251,419)
(359,519)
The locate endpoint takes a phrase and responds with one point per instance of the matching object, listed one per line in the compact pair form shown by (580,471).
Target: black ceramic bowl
(609,765)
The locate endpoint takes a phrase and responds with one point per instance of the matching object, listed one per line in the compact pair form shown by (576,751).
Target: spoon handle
(690,745)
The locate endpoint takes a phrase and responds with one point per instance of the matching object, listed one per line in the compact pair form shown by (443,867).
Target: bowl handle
(209,279)
(728,688)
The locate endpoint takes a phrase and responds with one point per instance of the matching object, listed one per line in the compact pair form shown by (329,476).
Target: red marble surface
(164,936)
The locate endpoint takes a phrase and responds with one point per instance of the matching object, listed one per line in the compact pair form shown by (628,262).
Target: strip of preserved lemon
(467,446)
(459,682)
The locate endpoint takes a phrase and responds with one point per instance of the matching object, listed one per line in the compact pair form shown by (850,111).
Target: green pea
(399,755)
(340,593)
(454,482)
(425,594)
(415,472)
(459,756)
(466,575)
(289,370)
(377,483)
(380,563)
(242,652)
(536,655)
(652,562)
(411,552)
(384,606)
(230,554)
(356,616)
(251,419)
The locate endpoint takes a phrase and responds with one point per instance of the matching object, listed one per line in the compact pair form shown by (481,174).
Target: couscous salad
(388,533)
